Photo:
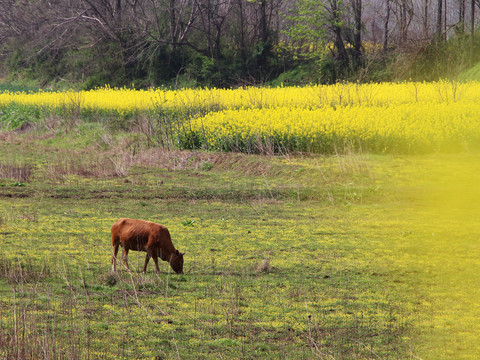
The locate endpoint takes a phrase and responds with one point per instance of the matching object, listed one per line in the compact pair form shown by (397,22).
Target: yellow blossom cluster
(380,117)
(341,94)
(410,127)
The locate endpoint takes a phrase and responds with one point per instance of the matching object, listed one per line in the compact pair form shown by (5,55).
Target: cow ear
(182,254)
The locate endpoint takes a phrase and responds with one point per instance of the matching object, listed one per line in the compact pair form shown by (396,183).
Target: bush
(438,59)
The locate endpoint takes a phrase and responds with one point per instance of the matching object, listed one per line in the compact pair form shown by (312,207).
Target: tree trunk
(342,55)
(461,16)
(439,19)
(385,26)
(241,20)
(472,31)
(425,19)
(403,21)
(118,9)
(263,21)
(357,40)
(173,22)
(445,20)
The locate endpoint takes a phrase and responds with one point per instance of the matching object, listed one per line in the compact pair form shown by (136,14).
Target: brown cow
(146,236)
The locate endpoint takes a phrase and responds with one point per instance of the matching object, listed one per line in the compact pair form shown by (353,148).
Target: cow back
(140,235)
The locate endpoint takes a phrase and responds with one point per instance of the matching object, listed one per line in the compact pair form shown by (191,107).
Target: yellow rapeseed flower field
(411,127)
(386,117)
(341,94)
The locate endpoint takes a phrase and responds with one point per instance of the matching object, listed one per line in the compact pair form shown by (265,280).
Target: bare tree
(386,33)
(472,29)
(461,16)
(213,15)
(425,19)
(439,18)
(404,15)
(357,38)
(140,36)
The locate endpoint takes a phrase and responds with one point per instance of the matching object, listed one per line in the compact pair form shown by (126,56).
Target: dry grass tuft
(110,278)
(16,172)
(264,266)
(15,272)
(88,163)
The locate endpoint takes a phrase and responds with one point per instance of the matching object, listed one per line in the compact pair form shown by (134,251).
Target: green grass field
(353,256)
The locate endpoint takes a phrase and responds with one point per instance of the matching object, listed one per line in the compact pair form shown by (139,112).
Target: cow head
(176,262)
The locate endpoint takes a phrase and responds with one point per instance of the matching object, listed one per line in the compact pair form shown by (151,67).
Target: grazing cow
(146,236)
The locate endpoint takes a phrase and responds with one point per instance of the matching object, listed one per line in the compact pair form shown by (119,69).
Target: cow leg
(125,258)
(147,257)
(155,258)
(114,257)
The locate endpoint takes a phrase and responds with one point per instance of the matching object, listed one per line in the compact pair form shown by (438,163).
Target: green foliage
(208,70)
(190,223)
(13,116)
(164,65)
(306,31)
(329,70)
(14,87)
(304,73)
(100,65)
(470,74)
(206,166)
(439,59)
(229,69)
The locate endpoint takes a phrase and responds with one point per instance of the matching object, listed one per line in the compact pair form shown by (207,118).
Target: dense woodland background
(224,43)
